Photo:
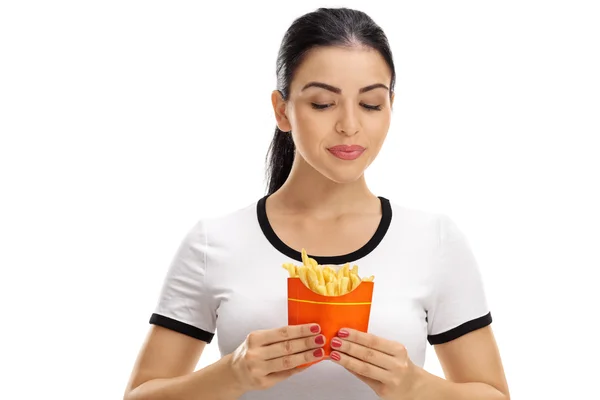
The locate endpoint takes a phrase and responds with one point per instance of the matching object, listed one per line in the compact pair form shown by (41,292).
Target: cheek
(382,121)
(310,127)
(307,118)
(377,126)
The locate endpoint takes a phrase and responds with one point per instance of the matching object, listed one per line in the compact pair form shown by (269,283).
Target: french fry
(328,274)
(313,280)
(325,280)
(355,280)
(304,258)
(302,274)
(321,290)
(340,274)
(291,268)
(320,276)
(344,285)
(331,286)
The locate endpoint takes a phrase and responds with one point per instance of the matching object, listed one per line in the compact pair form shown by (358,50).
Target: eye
(371,107)
(318,106)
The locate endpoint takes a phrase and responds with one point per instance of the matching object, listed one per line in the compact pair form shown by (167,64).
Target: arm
(187,308)
(471,362)
(165,364)
(165,367)
(472,367)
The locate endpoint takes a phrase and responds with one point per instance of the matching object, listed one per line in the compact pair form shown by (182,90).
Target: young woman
(332,107)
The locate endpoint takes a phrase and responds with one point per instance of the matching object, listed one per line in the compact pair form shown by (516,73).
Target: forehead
(347,68)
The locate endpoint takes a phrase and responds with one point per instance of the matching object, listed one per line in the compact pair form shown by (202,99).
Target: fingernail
(335,356)
(318,353)
(335,342)
(343,333)
(320,339)
(315,329)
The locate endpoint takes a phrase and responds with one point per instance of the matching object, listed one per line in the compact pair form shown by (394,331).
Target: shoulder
(227,227)
(418,221)
(244,214)
(434,229)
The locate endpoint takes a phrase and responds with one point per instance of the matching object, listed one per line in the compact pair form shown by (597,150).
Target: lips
(347,148)
(347,152)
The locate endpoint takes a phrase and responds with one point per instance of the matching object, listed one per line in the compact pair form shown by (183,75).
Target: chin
(348,176)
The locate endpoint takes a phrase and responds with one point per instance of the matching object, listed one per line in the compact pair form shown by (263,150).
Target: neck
(307,190)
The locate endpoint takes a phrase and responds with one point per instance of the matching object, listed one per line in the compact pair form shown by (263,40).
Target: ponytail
(280,158)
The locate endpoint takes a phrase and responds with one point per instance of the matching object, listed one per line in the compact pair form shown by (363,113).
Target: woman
(332,107)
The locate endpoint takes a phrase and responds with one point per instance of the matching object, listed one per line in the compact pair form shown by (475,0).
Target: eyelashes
(368,107)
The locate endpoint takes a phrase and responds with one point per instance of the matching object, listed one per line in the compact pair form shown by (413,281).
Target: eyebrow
(338,90)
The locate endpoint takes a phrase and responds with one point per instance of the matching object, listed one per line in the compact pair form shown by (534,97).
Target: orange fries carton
(333,299)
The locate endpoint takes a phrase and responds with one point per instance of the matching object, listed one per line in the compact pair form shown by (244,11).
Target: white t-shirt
(226,277)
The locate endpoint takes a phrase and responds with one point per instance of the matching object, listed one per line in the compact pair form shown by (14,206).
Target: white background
(123,122)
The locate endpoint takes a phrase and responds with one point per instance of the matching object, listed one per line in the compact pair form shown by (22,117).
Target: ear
(280,108)
(392,99)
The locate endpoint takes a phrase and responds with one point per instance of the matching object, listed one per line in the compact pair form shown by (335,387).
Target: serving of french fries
(325,280)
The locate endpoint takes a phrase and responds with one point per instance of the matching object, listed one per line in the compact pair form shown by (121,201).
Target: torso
(251,286)
(244,287)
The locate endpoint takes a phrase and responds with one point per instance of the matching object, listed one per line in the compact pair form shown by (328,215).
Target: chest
(327,237)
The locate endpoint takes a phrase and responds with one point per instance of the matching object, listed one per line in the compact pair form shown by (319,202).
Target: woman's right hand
(267,357)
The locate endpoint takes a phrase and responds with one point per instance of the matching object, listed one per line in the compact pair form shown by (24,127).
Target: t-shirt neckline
(271,236)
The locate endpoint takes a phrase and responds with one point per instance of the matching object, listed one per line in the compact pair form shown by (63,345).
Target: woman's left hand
(382,364)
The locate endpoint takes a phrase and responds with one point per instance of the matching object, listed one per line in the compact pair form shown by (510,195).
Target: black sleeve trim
(461,330)
(181,327)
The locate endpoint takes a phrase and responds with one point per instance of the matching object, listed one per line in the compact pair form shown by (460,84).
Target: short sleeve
(185,303)
(459,303)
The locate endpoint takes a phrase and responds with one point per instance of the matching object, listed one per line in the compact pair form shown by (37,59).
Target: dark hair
(324,27)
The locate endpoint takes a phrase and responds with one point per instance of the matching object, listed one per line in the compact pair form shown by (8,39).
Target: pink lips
(347,152)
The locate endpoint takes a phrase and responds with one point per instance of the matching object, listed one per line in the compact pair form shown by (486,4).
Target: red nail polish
(335,342)
(318,353)
(343,333)
(320,339)
(335,356)
(315,329)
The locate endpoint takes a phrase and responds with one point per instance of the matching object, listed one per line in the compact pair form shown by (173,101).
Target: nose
(348,123)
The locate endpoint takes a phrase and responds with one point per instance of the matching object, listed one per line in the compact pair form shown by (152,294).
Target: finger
(283,375)
(266,337)
(360,367)
(363,353)
(294,360)
(371,341)
(293,346)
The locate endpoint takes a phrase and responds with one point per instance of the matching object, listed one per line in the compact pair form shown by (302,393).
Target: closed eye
(369,107)
(317,106)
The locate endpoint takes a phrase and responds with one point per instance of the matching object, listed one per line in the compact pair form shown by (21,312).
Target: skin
(326,206)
